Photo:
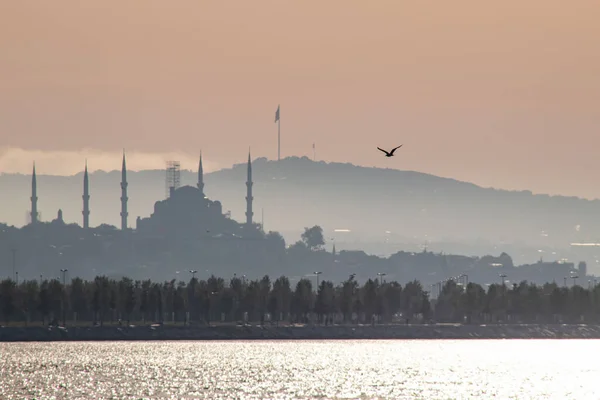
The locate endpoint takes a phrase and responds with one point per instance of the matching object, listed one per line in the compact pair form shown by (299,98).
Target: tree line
(104,300)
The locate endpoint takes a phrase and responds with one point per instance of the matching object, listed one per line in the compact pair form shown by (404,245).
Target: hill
(366,202)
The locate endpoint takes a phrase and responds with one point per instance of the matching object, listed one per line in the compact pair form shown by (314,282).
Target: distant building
(34,198)
(188,212)
(124,197)
(188,231)
(582,269)
(86,199)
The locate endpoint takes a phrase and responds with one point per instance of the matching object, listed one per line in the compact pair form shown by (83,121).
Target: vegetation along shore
(106,309)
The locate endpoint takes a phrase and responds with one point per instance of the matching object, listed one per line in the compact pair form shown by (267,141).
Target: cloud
(18,160)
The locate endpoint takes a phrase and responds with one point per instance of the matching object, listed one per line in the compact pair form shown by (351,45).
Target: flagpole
(278,120)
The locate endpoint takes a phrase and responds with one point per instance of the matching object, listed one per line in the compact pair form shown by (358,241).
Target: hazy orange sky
(503,95)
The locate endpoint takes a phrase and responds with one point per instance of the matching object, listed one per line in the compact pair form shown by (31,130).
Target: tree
(192,297)
(558,301)
(523,302)
(392,299)
(7,298)
(264,290)
(44,301)
(275,240)
(280,298)
(179,303)
(144,299)
(412,298)
(313,237)
(473,300)
(30,291)
(238,289)
(79,300)
(325,303)
(112,301)
(251,303)
(101,297)
(425,306)
(126,298)
(369,298)
(156,302)
(347,298)
(302,299)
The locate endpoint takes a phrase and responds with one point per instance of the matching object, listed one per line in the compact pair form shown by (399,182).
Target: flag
(277,114)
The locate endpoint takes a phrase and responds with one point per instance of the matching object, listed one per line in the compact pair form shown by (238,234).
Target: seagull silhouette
(390,153)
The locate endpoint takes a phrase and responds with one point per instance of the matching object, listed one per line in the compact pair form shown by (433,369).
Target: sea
(328,369)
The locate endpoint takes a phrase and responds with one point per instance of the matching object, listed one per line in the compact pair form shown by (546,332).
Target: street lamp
(64,303)
(317,273)
(193,272)
(502,276)
(574,277)
(14,258)
(64,275)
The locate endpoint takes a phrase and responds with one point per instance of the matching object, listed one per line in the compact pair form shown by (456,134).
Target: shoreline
(339,332)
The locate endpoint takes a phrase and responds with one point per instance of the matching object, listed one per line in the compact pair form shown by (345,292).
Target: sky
(502,93)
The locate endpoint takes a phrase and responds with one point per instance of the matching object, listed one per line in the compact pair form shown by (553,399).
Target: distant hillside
(297,192)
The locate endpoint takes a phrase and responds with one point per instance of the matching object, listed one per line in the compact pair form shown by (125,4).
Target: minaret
(124,197)
(34,199)
(86,199)
(200,176)
(249,197)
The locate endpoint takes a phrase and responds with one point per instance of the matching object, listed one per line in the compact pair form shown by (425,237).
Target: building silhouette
(189,231)
(200,184)
(34,208)
(188,213)
(186,210)
(124,197)
(184,229)
(249,197)
(86,199)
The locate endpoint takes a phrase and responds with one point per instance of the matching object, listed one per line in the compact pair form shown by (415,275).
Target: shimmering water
(468,369)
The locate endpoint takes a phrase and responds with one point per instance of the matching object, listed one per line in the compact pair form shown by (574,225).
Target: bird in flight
(391,152)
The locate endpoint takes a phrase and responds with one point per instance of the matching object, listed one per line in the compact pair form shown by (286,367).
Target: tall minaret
(124,197)
(34,199)
(200,176)
(249,197)
(86,199)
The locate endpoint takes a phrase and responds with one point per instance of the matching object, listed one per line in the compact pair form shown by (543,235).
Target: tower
(249,197)
(200,176)
(86,199)
(34,199)
(172,177)
(124,197)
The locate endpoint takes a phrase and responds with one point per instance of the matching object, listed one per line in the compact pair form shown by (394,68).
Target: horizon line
(13,161)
